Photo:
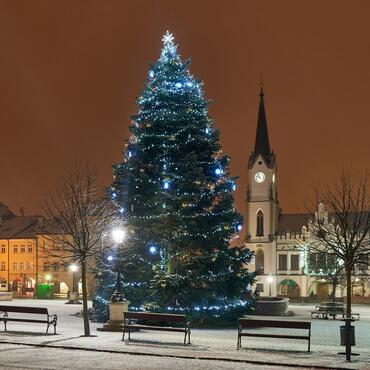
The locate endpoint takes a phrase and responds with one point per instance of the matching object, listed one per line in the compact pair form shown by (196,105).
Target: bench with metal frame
(331,309)
(50,319)
(246,323)
(159,318)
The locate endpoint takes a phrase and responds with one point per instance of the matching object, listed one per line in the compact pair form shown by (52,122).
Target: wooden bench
(330,309)
(49,320)
(159,319)
(245,323)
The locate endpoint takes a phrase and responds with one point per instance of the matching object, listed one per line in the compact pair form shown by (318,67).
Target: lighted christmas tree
(174,191)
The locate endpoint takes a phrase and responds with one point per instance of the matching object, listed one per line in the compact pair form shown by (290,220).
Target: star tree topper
(167,38)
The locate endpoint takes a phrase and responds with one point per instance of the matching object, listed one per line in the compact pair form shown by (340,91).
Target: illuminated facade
(284,266)
(24,262)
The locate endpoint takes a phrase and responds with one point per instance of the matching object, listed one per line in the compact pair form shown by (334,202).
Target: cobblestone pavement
(206,344)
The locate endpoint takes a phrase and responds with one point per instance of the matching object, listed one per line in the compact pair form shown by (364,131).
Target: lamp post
(118,303)
(118,237)
(73,296)
(270,279)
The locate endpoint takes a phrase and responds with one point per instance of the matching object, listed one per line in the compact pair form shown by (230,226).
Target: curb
(205,358)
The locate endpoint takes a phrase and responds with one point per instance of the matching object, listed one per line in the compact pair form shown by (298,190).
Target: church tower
(262,205)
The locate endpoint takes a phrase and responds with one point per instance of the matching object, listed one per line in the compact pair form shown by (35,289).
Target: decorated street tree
(174,192)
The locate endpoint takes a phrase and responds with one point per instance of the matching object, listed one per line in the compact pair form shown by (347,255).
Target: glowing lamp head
(73,268)
(269,279)
(118,235)
(47,277)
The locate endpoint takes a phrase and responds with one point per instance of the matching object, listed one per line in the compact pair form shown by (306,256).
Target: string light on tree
(177,191)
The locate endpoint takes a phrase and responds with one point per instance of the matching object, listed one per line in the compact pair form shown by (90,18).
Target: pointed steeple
(262,144)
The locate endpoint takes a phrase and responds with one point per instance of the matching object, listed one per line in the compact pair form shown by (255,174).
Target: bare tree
(76,220)
(341,226)
(328,267)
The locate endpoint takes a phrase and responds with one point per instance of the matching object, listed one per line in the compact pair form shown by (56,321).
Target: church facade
(283,266)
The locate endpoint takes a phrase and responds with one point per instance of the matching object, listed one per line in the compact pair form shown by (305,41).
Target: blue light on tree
(234,187)
(153,249)
(151,73)
(239,227)
(218,171)
(110,258)
(178,85)
(166,185)
(189,84)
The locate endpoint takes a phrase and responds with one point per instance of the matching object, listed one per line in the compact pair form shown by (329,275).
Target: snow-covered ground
(209,349)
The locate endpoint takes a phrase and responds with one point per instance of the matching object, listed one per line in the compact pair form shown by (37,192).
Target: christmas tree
(174,192)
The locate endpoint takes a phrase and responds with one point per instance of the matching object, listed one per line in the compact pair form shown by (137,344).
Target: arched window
(259,223)
(260,261)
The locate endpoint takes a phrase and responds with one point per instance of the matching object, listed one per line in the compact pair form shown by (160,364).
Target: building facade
(283,262)
(24,261)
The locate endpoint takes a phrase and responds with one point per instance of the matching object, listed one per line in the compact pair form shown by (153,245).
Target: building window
(283,262)
(259,287)
(46,267)
(2,266)
(260,261)
(259,223)
(30,249)
(312,261)
(29,266)
(3,249)
(65,267)
(15,266)
(21,266)
(55,267)
(294,262)
(15,249)
(23,249)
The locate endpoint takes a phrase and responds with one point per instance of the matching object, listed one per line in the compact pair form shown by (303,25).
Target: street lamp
(118,236)
(47,278)
(74,269)
(270,279)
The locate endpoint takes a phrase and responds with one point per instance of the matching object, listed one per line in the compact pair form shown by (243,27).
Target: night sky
(70,73)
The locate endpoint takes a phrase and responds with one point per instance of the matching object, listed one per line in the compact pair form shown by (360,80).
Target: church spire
(262,144)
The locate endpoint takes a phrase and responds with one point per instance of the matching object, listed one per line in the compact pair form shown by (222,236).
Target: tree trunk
(349,312)
(333,294)
(84,299)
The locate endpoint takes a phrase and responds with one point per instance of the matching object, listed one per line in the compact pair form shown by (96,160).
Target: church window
(260,261)
(294,262)
(283,265)
(259,223)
